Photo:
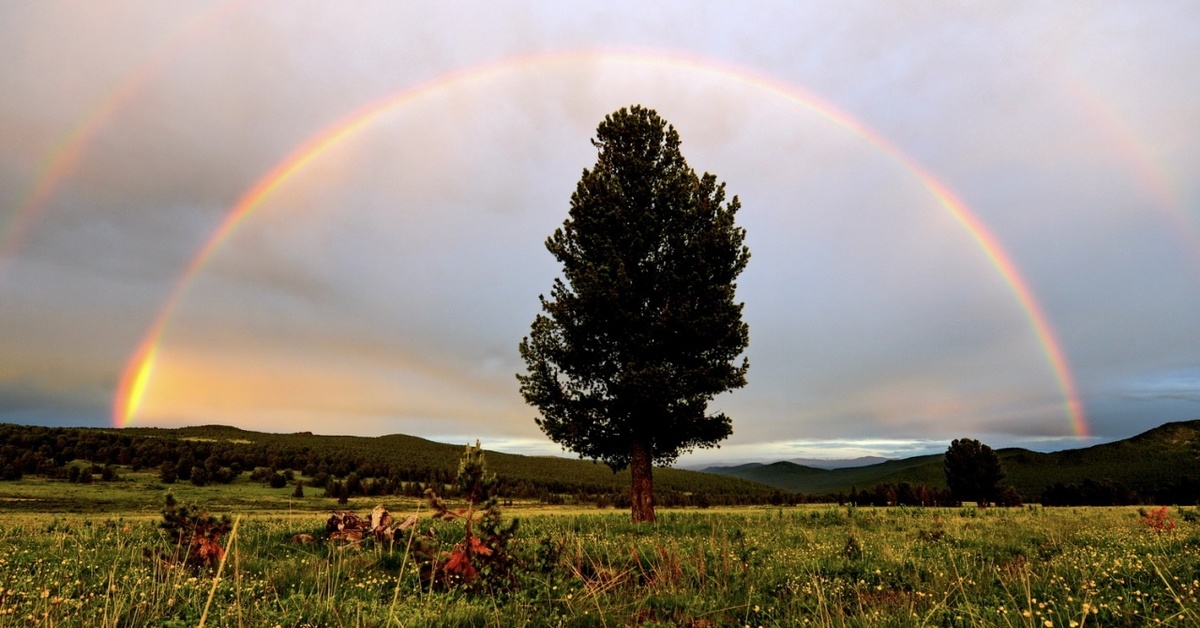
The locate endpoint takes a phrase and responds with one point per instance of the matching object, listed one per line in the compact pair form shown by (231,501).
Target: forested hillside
(1159,466)
(349,465)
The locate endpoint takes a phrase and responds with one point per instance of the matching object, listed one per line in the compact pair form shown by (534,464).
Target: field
(814,565)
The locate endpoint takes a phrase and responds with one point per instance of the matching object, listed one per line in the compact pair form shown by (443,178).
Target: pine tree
(642,330)
(973,471)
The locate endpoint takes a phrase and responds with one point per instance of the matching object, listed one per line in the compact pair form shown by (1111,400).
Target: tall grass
(823,566)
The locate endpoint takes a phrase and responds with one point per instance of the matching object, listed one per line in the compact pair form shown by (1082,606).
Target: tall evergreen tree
(973,471)
(642,330)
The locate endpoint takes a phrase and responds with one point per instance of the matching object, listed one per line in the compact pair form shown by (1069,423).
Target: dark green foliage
(853,549)
(1157,466)
(973,471)
(903,494)
(1088,493)
(924,470)
(1008,497)
(166,472)
(481,562)
(278,480)
(642,331)
(10,472)
(193,537)
(199,476)
(398,464)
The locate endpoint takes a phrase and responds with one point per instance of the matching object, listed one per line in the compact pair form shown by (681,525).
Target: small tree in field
(481,563)
(642,330)
(972,471)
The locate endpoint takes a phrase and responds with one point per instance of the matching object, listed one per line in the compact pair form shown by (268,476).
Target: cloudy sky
(966,219)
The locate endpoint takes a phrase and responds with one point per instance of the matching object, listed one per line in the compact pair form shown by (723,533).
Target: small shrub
(1158,520)
(194,537)
(938,532)
(481,563)
(853,549)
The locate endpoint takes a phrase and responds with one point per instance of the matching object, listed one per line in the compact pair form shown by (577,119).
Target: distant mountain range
(818,463)
(1159,457)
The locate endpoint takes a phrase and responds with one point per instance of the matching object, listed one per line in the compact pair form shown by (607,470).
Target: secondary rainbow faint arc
(67,153)
(138,371)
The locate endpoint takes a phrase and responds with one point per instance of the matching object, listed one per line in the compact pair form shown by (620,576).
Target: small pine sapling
(481,563)
(194,536)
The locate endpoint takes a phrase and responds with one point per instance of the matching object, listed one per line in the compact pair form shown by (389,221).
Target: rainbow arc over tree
(139,370)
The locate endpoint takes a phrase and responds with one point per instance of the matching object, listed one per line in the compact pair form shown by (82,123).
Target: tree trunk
(642,488)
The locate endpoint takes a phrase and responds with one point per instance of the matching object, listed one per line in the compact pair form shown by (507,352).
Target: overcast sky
(963,217)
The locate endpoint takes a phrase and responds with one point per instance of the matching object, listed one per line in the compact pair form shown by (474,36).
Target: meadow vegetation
(107,552)
(818,565)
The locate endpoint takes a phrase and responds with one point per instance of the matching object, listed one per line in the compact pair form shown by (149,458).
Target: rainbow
(1140,159)
(63,159)
(138,371)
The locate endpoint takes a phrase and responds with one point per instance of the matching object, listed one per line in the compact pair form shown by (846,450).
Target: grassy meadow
(807,565)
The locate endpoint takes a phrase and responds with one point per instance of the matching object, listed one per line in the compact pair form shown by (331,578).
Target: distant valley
(1159,461)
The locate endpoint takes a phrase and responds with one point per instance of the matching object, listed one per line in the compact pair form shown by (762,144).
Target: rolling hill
(406,457)
(1149,461)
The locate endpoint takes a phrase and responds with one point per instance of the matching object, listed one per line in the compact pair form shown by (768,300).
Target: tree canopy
(642,330)
(973,471)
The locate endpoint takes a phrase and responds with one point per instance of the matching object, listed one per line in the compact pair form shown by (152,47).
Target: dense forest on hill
(1161,466)
(342,466)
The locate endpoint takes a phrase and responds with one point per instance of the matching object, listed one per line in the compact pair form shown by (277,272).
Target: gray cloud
(1182,385)
(384,285)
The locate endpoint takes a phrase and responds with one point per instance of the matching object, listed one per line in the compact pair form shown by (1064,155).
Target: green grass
(819,565)
(142,492)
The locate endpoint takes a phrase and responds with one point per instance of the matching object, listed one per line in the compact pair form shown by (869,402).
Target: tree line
(81,455)
(336,472)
